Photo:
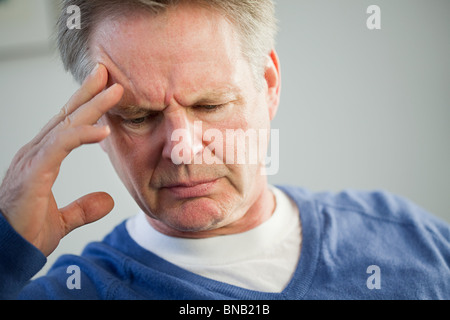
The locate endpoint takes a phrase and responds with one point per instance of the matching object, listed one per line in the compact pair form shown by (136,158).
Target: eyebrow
(215,96)
(131,110)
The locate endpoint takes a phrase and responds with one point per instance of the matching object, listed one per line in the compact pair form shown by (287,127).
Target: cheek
(130,155)
(241,139)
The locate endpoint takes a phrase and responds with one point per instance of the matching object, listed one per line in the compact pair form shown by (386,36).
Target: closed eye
(211,107)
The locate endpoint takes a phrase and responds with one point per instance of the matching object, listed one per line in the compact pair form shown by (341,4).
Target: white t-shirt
(262,259)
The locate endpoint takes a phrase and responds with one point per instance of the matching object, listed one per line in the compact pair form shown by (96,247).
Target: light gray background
(360,109)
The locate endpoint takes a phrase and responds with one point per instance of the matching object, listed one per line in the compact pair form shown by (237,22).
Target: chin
(194,215)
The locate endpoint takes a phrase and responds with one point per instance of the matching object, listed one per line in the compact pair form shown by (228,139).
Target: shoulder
(376,211)
(360,229)
(378,205)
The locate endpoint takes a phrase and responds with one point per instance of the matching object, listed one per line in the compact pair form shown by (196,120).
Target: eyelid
(204,105)
(211,107)
(138,122)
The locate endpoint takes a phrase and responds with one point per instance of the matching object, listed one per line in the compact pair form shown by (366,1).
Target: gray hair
(254,20)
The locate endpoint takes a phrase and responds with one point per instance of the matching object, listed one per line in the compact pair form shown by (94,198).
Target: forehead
(180,52)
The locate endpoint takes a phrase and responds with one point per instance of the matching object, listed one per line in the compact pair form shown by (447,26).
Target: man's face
(183,69)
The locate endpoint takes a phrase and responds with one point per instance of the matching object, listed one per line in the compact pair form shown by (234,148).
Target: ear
(272,76)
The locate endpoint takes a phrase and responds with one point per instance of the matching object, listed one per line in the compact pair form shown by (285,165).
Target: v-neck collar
(296,288)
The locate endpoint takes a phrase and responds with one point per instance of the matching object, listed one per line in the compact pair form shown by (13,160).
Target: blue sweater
(356,245)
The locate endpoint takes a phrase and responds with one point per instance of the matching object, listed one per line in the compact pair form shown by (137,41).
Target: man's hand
(26,198)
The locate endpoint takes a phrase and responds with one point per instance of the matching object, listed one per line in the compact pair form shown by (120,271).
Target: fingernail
(95,69)
(105,127)
(115,85)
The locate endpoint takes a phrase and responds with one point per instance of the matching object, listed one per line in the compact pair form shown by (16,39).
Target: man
(208,230)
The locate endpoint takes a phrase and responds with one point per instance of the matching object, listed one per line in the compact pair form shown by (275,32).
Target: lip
(191,189)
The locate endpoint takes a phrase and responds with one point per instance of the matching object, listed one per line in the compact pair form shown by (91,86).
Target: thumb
(87,209)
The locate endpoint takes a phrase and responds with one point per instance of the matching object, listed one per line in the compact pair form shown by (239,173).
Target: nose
(183,138)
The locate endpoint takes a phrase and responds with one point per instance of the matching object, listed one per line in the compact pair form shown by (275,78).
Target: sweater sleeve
(19,261)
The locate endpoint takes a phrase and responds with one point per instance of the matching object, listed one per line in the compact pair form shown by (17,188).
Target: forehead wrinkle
(104,53)
(169,82)
(132,95)
(117,75)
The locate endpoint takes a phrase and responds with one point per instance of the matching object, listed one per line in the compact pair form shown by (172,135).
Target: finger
(49,153)
(68,135)
(55,148)
(92,86)
(87,209)
(93,110)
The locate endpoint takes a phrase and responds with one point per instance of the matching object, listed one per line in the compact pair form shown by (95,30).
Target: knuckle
(66,122)
(21,153)
(64,112)
(56,138)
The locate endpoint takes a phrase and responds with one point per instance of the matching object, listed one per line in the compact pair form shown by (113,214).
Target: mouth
(191,189)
